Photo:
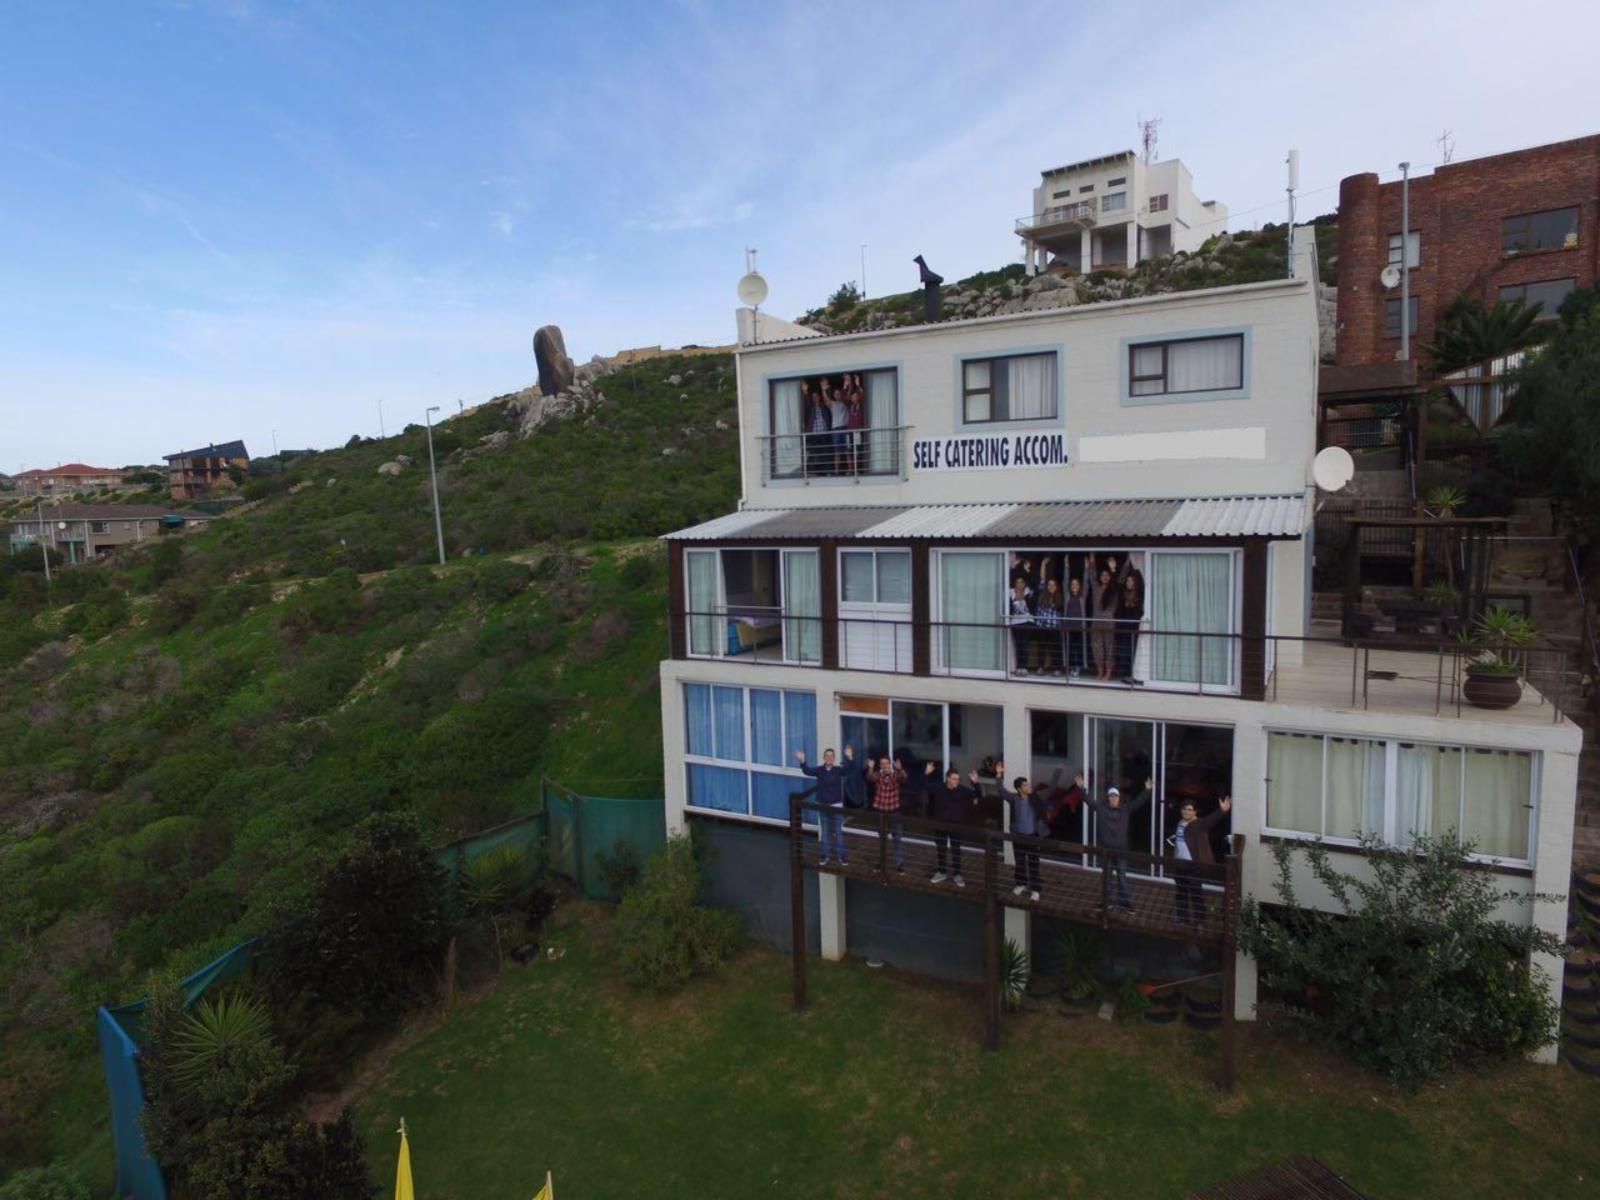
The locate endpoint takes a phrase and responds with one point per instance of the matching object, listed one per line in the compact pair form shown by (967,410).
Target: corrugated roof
(234,449)
(108,512)
(1225,516)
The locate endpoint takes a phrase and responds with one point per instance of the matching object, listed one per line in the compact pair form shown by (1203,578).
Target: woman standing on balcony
(1047,647)
(1130,611)
(855,422)
(819,433)
(1102,624)
(1075,626)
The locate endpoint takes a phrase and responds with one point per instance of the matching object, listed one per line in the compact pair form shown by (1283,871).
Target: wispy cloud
(504,224)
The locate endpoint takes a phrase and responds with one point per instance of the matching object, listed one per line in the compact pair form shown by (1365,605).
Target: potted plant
(1445,600)
(1496,646)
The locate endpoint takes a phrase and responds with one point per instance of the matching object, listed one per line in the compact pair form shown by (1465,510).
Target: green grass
(881,1089)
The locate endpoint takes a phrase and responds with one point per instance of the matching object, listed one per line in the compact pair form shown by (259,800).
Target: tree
(845,297)
(1468,332)
(1554,433)
(1417,975)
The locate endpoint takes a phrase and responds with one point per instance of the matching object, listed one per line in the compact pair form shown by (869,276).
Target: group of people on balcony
(835,421)
(1075,620)
(892,785)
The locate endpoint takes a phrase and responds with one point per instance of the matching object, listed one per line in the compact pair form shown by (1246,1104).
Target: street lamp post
(433,475)
(44,549)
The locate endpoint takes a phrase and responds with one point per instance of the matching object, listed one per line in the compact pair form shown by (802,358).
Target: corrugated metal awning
(1218,517)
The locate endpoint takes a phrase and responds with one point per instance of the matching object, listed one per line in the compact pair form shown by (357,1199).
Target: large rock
(555,368)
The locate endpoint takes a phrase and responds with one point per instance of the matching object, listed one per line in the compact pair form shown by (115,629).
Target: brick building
(1524,224)
(192,474)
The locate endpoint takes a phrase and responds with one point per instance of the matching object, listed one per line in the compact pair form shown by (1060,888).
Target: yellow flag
(548,1191)
(402,1174)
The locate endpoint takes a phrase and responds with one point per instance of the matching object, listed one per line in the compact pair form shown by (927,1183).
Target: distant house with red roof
(67,479)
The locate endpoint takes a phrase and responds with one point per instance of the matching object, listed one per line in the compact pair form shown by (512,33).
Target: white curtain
(1205,365)
(1354,786)
(701,567)
(1428,792)
(787,405)
(1147,361)
(1498,789)
(1294,782)
(883,415)
(971,589)
(802,606)
(1192,592)
(1030,387)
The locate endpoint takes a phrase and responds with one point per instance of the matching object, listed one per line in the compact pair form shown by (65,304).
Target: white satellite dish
(61,524)
(1332,468)
(1389,276)
(753,290)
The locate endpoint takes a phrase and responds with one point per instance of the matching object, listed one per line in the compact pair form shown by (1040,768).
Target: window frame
(963,393)
(1412,244)
(1414,302)
(788,655)
(769,476)
(1546,313)
(748,765)
(1120,200)
(1131,345)
(1159,202)
(1508,230)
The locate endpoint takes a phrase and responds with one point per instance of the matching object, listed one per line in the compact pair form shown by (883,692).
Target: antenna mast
(1447,147)
(1147,137)
(1294,183)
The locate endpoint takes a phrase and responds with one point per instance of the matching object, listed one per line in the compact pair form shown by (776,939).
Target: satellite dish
(1389,276)
(753,290)
(61,524)
(1332,468)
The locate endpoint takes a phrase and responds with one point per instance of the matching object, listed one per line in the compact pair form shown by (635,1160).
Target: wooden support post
(991,949)
(797,905)
(1230,960)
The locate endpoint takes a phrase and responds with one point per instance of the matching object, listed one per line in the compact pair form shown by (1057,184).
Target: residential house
(1523,225)
(858,596)
(68,479)
(1114,212)
(193,474)
(82,531)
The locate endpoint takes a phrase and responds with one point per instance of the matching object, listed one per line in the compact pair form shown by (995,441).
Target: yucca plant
(1498,639)
(1080,954)
(218,1034)
(1015,970)
(492,885)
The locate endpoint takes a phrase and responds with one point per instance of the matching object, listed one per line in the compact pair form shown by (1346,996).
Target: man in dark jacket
(1111,832)
(1191,845)
(954,804)
(1027,820)
(855,780)
(830,777)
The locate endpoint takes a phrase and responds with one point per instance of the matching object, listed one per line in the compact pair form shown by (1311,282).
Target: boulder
(332,479)
(675,380)
(555,367)
(390,468)
(495,440)
(403,459)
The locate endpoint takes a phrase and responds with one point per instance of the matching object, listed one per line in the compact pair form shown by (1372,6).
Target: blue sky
(225,218)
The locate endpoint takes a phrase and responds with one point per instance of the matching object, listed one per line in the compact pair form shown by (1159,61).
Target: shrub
(54,1182)
(639,571)
(497,582)
(618,867)
(1014,972)
(665,937)
(1416,976)
(331,606)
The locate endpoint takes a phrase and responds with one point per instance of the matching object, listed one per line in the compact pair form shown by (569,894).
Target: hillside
(188,727)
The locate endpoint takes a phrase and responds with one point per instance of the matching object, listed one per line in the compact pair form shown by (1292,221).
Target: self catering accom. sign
(989,452)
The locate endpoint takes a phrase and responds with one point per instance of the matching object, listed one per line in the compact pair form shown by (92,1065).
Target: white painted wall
(1177,447)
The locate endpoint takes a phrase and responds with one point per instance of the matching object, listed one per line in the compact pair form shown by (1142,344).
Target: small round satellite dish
(1389,276)
(61,524)
(753,290)
(1332,468)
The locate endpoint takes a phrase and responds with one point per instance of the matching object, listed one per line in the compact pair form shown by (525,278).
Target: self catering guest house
(882,583)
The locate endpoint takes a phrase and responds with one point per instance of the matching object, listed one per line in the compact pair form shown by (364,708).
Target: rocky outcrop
(556,371)
(534,407)
(390,468)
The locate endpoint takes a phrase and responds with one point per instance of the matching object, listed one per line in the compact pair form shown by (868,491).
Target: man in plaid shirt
(886,781)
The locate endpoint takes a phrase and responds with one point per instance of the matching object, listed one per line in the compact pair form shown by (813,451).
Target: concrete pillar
(1249,811)
(1015,733)
(1133,244)
(830,909)
(1086,250)
(1029,258)
(1552,866)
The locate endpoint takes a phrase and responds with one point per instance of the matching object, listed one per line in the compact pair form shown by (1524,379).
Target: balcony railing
(1418,676)
(836,454)
(1080,212)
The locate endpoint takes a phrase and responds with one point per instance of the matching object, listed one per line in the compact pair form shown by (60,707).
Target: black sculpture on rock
(930,290)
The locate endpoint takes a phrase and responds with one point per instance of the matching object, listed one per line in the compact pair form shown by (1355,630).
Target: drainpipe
(1405,262)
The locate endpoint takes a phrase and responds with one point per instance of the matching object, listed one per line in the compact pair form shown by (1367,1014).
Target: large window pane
(1019,388)
(971,587)
(802,606)
(727,718)
(800,725)
(1498,790)
(1207,365)
(769,795)
(697,707)
(894,577)
(1427,792)
(766,727)
(1294,782)
(718,787)
(1354,783)
(701,567)
(788,412)
(1192,593)
(856,577)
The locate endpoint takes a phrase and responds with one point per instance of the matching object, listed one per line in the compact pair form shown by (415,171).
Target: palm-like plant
(1015,970)
(1471,332)
(1499,639)
(216,1035)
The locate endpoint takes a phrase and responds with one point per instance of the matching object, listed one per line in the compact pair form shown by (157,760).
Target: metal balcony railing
(1080,212)
(836,454)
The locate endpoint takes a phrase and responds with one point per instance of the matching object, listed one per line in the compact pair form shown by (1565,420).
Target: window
(1548,293)
(1019,388)
(875,590)
(1391,316)
(1338,788)
(97,527)
(1539,231)
(1192,591)
(740,602)
(1088,187)
(1114,202)
(1062,195)
(740,745)
(1158,203)
(816,430)
(971,589)
(1413,249)
(1189,365)
(1117,182)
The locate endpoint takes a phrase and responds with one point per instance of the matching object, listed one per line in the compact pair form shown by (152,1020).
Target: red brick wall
(1457,211)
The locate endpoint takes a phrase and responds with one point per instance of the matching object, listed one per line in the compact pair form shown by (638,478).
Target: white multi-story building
(1115,212)
(859,596)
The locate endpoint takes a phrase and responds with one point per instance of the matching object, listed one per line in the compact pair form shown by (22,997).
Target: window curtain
(787,406)
(1205,365)
(1428,792)
(971,588)
(800,725)
(802,606)
(1192,592)
(766,727)
(697,718)
(1030,385)
(894,577)
(856,581)
(727,719)
(769,795)
(1146,361)
(1498,789)
(1354,785)
(883,415)
(701,566)
(978,394)
(718,787)
(1294,782)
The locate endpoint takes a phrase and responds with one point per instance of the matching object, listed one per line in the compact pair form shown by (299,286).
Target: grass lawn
(881,1089)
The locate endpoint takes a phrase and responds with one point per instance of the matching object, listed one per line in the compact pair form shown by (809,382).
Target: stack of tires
(1166,1006)
(1202,1007)
(1580,985)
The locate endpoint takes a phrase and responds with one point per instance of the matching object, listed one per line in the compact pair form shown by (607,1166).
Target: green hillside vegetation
(189,727)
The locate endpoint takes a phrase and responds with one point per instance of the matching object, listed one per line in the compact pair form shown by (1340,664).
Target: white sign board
(989,452)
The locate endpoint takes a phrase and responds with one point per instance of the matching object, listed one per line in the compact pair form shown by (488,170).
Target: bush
(54,1182)
(1417,976)
(665,937)
(331,606)
(618,867)
(497,582)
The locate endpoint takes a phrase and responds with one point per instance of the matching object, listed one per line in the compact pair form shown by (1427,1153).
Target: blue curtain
(771,795)
(800,723)
(728,714)
(766,727)
(718,787)
(697,710)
